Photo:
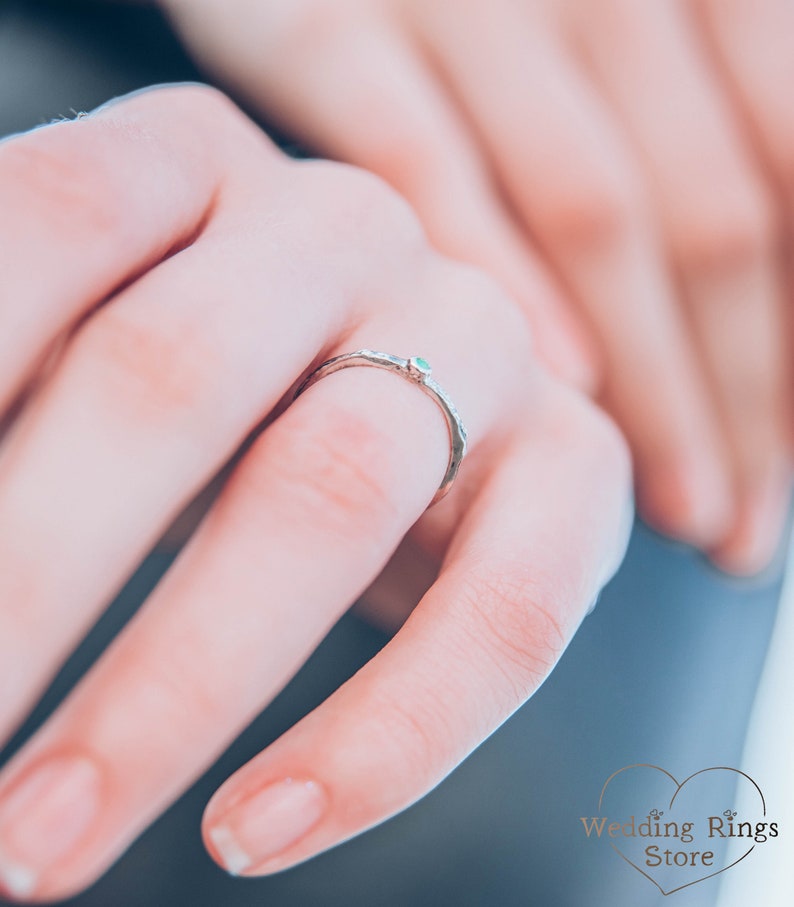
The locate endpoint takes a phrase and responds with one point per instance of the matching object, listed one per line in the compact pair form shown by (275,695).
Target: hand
(645,148)
(179,276)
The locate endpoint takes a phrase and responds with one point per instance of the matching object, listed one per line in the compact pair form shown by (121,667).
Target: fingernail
(688,500)
(708,496)
(267,823)
(756,537)
(43,816)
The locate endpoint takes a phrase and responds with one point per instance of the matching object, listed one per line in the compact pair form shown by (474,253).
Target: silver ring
(417,371)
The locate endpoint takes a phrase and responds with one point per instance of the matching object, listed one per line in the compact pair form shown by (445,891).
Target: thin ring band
(417,371)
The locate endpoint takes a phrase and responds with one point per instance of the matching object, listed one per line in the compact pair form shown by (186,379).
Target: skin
(168,278)
(628,163)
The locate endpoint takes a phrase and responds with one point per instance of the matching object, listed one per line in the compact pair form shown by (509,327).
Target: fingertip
(251,834)
(741,561)
(225,850)
(692,503)
(17,882)
(754,542)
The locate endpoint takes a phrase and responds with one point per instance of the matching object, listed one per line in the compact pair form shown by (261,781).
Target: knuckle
(363,203)
(401,150)
(467,296)
(190,99)
(398,152)
(470,283)
(600,436)
(573,423)
(589,214)
(214,123)
(335,467)
(511,613)
(490,313)
(63,178)
(210,111)
(207,100)
(727,234)
(158,368)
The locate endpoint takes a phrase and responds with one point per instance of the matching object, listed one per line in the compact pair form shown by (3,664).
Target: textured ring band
(417,371)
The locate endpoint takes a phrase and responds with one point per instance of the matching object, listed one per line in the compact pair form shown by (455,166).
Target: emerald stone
(422,363)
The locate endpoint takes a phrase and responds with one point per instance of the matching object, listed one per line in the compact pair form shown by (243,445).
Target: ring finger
(332,477)
(156,391)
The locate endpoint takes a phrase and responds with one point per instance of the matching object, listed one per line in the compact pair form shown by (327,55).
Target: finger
(156,392)
(752,41)
(561,161)
(309,518)
(719,223)
(142,412)
(363,95)
(515,586)
(89,204)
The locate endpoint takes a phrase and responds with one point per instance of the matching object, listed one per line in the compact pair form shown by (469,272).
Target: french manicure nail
(43,816)
(267,823)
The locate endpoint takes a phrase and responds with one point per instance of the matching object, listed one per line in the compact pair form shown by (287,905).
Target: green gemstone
(422,363)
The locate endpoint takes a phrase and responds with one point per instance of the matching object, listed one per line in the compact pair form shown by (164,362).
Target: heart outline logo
(678,788)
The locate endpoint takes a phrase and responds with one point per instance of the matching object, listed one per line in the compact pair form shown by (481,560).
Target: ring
(417,371)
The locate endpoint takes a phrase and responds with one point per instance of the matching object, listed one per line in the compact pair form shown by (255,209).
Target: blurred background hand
(635,159)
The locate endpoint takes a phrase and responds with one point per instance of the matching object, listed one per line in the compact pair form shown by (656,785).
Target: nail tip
(235,860)
(746,568)
(17,880)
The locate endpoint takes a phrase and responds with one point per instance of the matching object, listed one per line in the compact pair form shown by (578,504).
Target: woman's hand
(168,276)
(646,149)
